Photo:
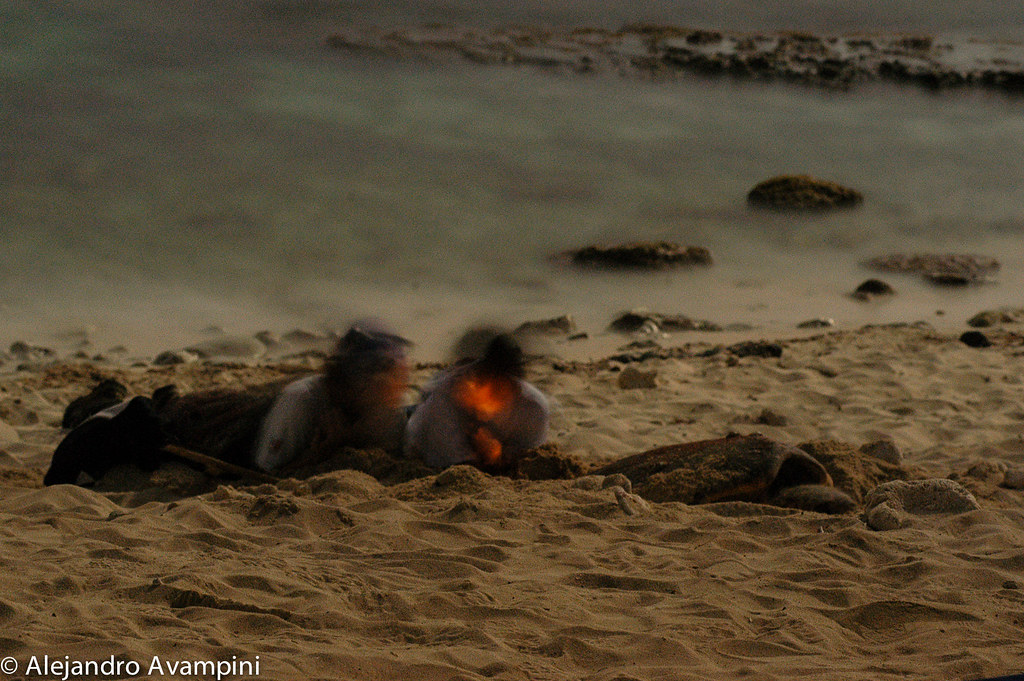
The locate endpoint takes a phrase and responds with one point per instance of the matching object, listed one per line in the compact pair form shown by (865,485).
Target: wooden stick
(216,466)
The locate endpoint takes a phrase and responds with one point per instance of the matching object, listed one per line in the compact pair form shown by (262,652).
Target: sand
(469,576)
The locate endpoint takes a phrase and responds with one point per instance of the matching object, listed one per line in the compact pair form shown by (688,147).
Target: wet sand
(467,576)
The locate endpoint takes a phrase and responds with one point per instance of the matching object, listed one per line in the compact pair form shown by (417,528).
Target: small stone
(756,349)
(1010,584)
(802,192)
(302,337)
(630,504)
(975,339)
(171,357)
(551,327)
(886,450)
(821,323)
(992,472)
(632,378)
(1013,479)
(617,479)
(583,335)
(768,417)
(873,288)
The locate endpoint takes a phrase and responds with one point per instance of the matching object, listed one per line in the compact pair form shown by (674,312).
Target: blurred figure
(482,412)
(354,402)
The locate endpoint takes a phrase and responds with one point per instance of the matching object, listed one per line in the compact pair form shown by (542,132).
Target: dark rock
(563,325)
(756,349)
(768,417)
(107,393)
(948,269)
(975,339)
(704,38)
(641,255)
(802,192)
(170,358)
(823,323)
(873,288)
(637,320)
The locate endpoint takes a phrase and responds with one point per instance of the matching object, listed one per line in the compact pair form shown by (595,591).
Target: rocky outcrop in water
(947,269)
(658,51)
(641,255)
(802,192)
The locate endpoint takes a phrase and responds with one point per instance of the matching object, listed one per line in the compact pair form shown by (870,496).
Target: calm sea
(172,165)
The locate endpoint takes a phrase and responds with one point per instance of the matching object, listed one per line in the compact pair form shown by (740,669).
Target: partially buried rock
(756,349)
(649,255)
(950,269)
(975,339)
(632,379)
(886,450)
(642,320)
(892,505)
(802,192)
(873,288)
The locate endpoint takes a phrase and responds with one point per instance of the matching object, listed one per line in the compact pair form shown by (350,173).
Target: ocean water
(171,166)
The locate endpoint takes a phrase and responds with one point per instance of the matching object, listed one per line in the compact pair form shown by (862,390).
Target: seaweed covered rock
(641,255)
(949,269)
(802,192)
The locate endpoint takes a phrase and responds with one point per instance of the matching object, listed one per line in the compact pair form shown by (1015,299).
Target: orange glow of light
(485,397)
(487,447)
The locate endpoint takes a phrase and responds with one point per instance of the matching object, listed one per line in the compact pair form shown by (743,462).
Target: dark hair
(365,349)
(503,356)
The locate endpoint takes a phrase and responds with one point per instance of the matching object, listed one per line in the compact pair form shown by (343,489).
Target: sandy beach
(463,575)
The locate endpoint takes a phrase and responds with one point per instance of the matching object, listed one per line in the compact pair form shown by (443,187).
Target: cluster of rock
(657,51)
